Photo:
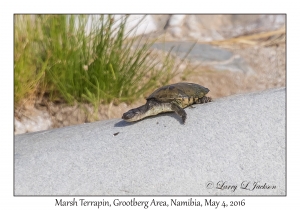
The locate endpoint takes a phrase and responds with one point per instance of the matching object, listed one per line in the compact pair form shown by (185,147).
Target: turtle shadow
(124,123)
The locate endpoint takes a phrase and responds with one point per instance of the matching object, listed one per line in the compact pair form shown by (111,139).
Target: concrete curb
(232,146)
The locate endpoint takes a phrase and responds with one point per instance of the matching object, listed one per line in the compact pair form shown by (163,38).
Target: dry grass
(260,39)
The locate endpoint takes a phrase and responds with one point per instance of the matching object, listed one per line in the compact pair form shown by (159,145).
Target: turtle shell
(184,94)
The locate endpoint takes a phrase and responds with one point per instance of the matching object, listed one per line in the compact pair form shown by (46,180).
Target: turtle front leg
(178,110)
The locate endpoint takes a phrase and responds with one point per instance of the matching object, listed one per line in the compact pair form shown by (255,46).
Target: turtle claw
(183,119)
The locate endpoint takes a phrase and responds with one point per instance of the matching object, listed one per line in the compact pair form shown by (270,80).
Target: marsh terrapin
(170,98)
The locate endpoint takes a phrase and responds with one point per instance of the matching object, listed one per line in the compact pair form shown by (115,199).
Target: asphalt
(231,146)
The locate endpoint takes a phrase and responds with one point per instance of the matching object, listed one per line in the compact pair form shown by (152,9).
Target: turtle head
(150,108)
(132,115)
(135,114)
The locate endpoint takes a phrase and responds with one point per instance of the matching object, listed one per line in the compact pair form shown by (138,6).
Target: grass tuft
(80,58)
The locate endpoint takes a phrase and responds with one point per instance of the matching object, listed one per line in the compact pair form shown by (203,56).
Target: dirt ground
(268,63)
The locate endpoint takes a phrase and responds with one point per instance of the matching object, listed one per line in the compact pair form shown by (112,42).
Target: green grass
(57,55)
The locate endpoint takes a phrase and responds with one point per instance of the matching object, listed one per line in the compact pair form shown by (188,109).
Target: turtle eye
(171,87)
